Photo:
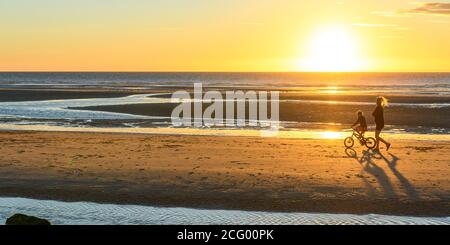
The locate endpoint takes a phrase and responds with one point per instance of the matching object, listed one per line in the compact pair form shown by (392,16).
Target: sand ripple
(78,213)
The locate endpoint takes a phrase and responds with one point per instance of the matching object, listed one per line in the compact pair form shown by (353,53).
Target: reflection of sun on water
(331,90)
(331,135)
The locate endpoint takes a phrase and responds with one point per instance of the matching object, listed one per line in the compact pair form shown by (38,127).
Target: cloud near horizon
(430,8)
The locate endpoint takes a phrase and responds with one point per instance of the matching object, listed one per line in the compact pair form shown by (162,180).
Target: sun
(332,49)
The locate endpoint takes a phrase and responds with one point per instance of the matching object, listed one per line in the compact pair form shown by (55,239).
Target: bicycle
(369,142)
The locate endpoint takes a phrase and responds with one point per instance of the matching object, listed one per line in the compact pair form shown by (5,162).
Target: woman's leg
(379,139)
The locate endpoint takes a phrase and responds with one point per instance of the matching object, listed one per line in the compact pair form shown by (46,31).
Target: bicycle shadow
(367,161)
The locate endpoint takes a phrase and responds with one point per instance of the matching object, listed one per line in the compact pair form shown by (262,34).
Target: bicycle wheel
(349,142)
(371,143)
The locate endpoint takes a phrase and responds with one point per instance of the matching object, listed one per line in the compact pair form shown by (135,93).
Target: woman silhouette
(378,113)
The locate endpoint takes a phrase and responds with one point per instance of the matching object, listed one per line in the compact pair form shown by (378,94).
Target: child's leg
(364,130)
(360,130)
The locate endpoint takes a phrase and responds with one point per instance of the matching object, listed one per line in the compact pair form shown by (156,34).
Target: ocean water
(80,213)
(58,109)
(424,116)
(410,83)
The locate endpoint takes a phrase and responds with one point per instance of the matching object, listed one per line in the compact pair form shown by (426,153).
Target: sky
(225,35)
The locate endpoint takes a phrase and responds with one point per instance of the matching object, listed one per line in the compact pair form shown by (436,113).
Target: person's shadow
(367,161)
(404,182)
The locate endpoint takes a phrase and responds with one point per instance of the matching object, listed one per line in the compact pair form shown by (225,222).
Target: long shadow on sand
(404,182)
(367,161)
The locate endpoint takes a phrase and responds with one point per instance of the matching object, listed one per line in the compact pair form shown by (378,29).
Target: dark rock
(22,219)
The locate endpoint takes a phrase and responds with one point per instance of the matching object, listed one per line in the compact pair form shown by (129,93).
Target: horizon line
(155,71)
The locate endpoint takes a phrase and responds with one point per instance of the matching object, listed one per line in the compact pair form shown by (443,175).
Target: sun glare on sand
(332,49)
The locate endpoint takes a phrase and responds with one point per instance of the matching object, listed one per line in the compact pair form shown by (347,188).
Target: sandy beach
(247,173)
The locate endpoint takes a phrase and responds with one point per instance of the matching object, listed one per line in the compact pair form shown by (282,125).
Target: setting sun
(224,36)
(332,49)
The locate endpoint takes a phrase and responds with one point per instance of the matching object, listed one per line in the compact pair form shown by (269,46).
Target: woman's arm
(376,112)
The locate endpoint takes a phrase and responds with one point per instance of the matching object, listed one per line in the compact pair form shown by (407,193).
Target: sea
(420,102)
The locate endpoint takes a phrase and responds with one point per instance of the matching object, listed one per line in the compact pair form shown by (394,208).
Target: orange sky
(224,35)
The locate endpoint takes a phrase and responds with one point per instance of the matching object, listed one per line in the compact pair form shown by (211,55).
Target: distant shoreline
(250,72)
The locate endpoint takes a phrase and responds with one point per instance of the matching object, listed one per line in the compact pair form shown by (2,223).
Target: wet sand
(248,173)
(43,93)
(13,95)
(403,117)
